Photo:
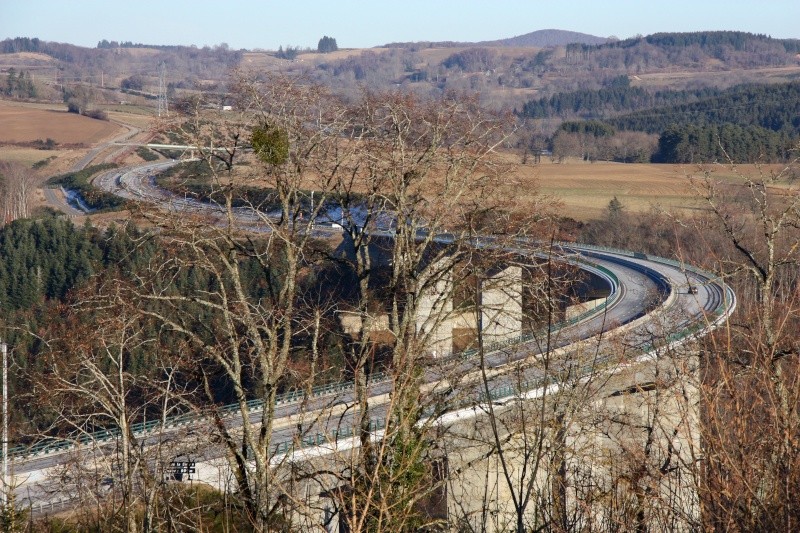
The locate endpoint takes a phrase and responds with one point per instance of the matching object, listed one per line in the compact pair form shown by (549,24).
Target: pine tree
(327,44)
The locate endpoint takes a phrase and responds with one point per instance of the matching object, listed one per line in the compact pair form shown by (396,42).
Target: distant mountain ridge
(545,38)
(534,39)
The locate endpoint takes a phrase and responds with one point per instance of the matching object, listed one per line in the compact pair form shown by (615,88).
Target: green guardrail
(522,339)
(726,305)
(638,255)
(318,439)
(57,445)
(294,396)
(54,445)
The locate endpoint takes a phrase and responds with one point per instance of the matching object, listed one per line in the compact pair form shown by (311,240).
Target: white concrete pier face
(435,312)
(501,305)
(578,309)
(215,473)
(635,432)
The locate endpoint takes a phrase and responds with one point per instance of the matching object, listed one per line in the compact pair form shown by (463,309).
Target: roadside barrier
(52,446)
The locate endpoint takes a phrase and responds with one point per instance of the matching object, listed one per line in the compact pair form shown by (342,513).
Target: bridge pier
(628,442)
(501,305)
(435,312)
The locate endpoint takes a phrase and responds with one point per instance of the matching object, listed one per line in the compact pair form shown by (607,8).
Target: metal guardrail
(638,255)
(727,304)
(318,439)
(728,298)
(522,339)
(290,446)
(720,312)
(47,447)
(50,446)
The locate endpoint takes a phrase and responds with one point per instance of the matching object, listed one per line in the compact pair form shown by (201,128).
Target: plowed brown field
(20,124)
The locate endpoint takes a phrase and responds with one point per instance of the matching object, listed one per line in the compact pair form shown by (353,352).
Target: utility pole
(4,498)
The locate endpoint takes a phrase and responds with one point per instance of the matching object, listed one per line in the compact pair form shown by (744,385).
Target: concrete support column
(501,305)
(435,313)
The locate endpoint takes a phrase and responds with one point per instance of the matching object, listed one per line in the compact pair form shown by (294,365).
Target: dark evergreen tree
(589,127)
(774,107)
(327,44)
(289,53)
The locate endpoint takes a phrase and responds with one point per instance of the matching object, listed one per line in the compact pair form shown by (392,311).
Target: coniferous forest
(747,124)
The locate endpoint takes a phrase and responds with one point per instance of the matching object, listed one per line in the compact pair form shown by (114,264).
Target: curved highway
(58,200)
(654,304)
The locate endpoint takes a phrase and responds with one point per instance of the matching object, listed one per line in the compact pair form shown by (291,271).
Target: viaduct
(612,386)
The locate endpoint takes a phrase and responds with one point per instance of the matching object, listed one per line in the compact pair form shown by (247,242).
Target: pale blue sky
(360,24)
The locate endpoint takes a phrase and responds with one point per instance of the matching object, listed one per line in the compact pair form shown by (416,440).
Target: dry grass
(583,188)
(586,188)
(27,61)
(140,117)
(262,61)
(344,53)
(25,123)
(437,55)
(427,56)
(720,78)
(267,61)
(29,56)
(27,156)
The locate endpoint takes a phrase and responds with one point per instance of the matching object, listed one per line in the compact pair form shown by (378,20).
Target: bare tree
(246,339)
(16,185)
(423,170)
(529,412)
(412,186)
(751,391)
(347,242)
(99,389)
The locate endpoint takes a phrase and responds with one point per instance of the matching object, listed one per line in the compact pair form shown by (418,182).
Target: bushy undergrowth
(94,198)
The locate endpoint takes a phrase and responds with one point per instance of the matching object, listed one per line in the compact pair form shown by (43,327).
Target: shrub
(146,153)
(94,198)
(98,114)
(43,162)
